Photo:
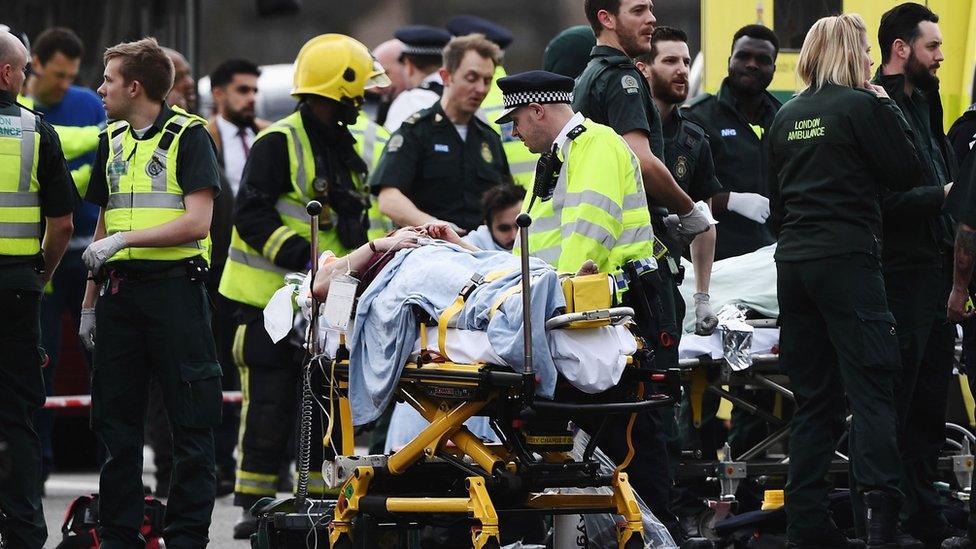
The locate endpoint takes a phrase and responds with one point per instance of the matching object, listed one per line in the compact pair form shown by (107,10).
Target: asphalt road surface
(62,488)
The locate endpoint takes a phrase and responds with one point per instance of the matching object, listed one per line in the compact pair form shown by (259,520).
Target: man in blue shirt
(55,60)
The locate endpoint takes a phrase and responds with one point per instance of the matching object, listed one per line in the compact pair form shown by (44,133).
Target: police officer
(833,150)
(155,178)
(520,160)
(961,203)
(308,154)
(442,159)
(736,120)
(34,184)
(422,49)
(918,263)
(589,205)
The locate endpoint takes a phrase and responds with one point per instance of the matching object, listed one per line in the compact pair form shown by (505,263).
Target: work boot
(881,523)
(933,538)
(246,526)
(959,542)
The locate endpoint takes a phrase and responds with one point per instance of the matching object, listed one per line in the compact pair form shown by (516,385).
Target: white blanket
(591,359)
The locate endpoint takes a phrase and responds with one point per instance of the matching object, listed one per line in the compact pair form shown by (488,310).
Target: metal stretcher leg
(630,533)
(445,423)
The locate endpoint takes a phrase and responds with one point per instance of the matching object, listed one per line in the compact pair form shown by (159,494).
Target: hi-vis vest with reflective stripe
(250,276)
(521,161)
(598,210)
(371,139)
(143,191)
(20,204)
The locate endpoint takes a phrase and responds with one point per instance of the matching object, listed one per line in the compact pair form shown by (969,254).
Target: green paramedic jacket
(833,152)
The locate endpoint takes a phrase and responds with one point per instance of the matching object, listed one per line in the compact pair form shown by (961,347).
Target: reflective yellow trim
(273,245)
(260,484)
(237,353)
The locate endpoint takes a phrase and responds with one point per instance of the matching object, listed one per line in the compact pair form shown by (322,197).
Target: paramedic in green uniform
(155,178)
(834,148)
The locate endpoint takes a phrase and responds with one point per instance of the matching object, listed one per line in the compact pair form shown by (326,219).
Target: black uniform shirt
(917,235)
(611,91)
(441,174)
(832,153)
(740,163)
(689,159)
(196,169)
(961,202)
(58,197)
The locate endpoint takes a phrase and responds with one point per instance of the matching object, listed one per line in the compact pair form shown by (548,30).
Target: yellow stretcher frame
(447,434)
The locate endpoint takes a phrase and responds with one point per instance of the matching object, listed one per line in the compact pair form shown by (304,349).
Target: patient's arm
(359,258)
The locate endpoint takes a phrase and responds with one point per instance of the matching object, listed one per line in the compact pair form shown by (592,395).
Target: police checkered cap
(524,98)
(422,40)
(430,51)
(533,87)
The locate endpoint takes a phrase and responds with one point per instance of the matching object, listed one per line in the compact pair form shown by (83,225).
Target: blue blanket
(384,328)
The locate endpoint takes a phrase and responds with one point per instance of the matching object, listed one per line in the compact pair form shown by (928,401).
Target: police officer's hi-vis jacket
(598,209)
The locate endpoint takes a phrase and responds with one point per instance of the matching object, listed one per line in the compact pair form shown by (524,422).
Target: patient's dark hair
(500,197)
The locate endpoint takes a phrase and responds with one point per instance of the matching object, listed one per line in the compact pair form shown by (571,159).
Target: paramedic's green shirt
(740,163)
(832,153)
(611,91)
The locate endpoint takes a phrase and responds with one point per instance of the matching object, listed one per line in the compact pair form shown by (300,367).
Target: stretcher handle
(523,221)
(655,401)
(314,209)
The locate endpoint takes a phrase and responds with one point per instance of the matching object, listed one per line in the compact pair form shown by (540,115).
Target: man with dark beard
(689,159)
(687,156)
(917,263)
(233,128)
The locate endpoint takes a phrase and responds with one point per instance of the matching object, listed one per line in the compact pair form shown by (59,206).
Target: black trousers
(650,470)
(927,344)
(155,330)
(271,382)
(21,395)
(837,337)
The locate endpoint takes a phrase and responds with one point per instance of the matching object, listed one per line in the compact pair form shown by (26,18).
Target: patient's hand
(587,268)
(442,231)
(403,238)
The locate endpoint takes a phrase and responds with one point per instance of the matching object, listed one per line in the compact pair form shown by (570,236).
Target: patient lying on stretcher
(406,273)
(374,255)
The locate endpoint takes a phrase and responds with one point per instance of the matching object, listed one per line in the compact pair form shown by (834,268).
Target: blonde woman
(834,148)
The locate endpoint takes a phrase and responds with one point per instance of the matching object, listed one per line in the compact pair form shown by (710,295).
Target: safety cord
(305,434)
(630,428)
